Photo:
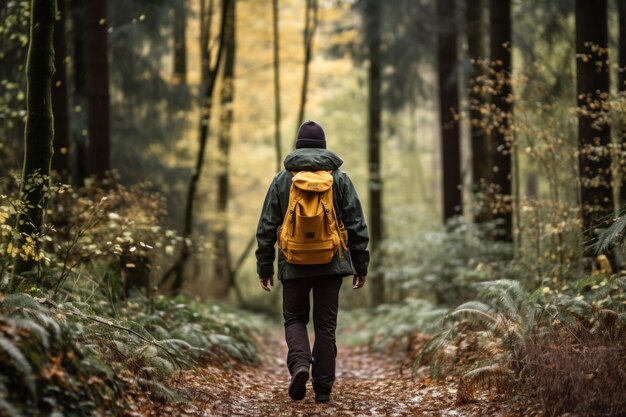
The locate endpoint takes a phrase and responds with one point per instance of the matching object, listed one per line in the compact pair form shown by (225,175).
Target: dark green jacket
(347,206)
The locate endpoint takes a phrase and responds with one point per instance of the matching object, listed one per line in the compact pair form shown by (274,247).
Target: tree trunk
(180,42)
(594,136)
(38,135)
(277,111)
(223,271)
(79,103)
(60,105)
(310,26)
(373,39)
(621,6)
(479,141)
(500,56)
(206,18)
(97,87)
(449,108)
(178,267)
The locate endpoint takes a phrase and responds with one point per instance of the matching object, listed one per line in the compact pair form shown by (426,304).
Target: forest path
(368,384)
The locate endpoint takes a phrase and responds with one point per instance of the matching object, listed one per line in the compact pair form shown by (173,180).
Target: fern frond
(163,367)
(494,289)
(176,344)
(159,390)
(6,408)
(17,301)
(476,309)
(579,309)
(20,363)
(490,376)
(611,236)
(433,345)
(33,327)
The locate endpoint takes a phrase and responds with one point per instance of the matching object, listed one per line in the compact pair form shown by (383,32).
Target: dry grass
(577,371)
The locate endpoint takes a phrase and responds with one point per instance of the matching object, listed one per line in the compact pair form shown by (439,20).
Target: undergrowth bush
(549,342)
(442,264)
(389,327)
(70,359)
(85,330)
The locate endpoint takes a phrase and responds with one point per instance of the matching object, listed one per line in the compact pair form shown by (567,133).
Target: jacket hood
(312,159)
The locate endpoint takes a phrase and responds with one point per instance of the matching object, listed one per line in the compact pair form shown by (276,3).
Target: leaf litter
(368,384)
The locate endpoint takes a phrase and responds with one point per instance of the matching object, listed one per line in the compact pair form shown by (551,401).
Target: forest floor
(368,384)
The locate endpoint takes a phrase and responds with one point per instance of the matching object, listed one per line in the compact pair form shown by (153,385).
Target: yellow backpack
(310,233)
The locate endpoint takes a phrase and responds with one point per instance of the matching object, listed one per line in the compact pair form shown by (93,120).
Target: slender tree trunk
(277,111)
(479,141)
(180,42)
(594,136)
(38,135)
(98,87)
(449,108)
(310,26)
(373,39)
(621,6)
(500,55)
(178,267)
(60,105)
(79,103)
(223,271)
(206,18)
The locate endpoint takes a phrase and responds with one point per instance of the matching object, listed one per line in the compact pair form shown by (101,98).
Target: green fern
(21,364)
(32,327)
(159,390)
(6,408)
(612,235)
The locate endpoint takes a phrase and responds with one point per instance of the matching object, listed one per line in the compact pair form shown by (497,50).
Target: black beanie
(311,135)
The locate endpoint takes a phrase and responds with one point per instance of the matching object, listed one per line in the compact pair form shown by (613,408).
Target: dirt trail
(367,384)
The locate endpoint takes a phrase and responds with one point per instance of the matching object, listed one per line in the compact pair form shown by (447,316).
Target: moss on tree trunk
(38,134)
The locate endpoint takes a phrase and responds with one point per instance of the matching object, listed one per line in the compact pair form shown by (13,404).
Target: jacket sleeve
(354,221)
(269,222)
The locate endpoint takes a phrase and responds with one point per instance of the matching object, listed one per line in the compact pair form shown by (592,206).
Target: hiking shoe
(322,398)
(297,388)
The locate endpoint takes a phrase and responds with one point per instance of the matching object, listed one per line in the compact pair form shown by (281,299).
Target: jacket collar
(312,159)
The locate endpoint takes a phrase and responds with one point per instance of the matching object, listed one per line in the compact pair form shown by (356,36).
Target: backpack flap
(315,181)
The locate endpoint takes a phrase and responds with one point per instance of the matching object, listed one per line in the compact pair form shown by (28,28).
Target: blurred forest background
(485,138)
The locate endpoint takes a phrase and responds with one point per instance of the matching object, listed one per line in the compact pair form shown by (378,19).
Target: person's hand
(267,283)
(358,281)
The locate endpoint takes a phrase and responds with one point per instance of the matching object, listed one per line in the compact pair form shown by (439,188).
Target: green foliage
(14,24)
(494,340)
(72,358)
(444,263)
(87,324)
(389,325)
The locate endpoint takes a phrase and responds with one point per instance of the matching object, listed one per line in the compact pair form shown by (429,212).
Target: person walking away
(312,209)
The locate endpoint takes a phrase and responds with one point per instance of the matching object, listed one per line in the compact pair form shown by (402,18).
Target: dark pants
(296,308)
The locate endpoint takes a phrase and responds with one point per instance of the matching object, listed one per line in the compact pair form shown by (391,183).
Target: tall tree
(594,135)
(180,42)
(474,16)
(177,269)
(373,41)
(60,105)
(621,86)
(222,277)
(206,19)
(501,136)
(310,26)
(277,110)
(79,97)
(449,108)
(38,134)
(98,87)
